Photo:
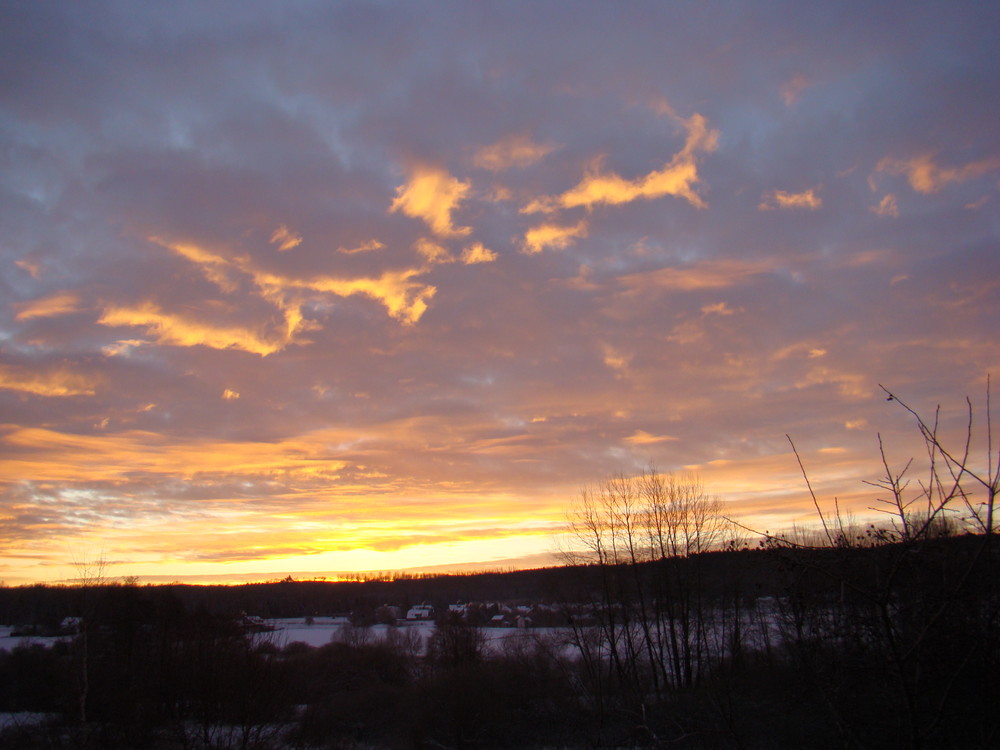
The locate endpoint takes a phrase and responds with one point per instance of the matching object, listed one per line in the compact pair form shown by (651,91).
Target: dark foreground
(876,644)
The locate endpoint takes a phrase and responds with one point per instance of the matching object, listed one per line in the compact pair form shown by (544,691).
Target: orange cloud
(309,484)
(120,347)
(719,308)
(851,385)
(282,544)
(364,247)
(214,267)
(552,235)
(641,437)
(230,395)
(477,253)
(499,194)
(432,195)
(61,303)
(178,330)
(285,238)
(886,207)
(53,456)
(717,274)
(793,88)
(806,349)
(678,177)
(925,176)
(512,151)
(404,298)
(432,252)
(614,359)
(783,199)
(58,382)
(31,267)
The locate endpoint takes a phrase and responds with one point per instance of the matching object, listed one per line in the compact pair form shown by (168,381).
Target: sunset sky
(305,287)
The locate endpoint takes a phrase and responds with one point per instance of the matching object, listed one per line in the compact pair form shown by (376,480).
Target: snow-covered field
(321,631)
(324,630)
(9,642)
(9,720)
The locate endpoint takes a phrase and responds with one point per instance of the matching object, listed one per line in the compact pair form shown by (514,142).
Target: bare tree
(91,575)
(644,534)
(912,616)
(954,477)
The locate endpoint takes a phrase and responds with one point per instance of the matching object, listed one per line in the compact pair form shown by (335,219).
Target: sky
(308,287)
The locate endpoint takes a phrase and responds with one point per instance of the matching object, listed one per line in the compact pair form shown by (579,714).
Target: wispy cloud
(555,236)
(679,177)
(700,276)
(364,247)
(33,268)
(477,253)
(792,89)
(807,199)
(60,381)
(109,458)
(641,437)
(403,296)
(60,303)
(174,329)
(517,150)
(887,206)
(433,252)
(926,175)
(285,238)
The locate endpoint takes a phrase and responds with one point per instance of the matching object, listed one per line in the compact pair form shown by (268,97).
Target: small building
(71,625)
(420,612)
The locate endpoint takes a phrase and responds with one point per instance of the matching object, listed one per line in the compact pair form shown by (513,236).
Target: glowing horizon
(385,289)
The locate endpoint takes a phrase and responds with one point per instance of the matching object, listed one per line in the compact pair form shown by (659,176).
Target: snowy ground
(9,642)
(22,719)
(323,630)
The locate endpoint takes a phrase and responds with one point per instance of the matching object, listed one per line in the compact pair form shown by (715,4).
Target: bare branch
(812,494)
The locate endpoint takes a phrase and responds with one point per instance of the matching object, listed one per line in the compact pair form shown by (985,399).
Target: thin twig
(812,494)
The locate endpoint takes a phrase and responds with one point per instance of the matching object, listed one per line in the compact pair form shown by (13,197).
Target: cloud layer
(370,286)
